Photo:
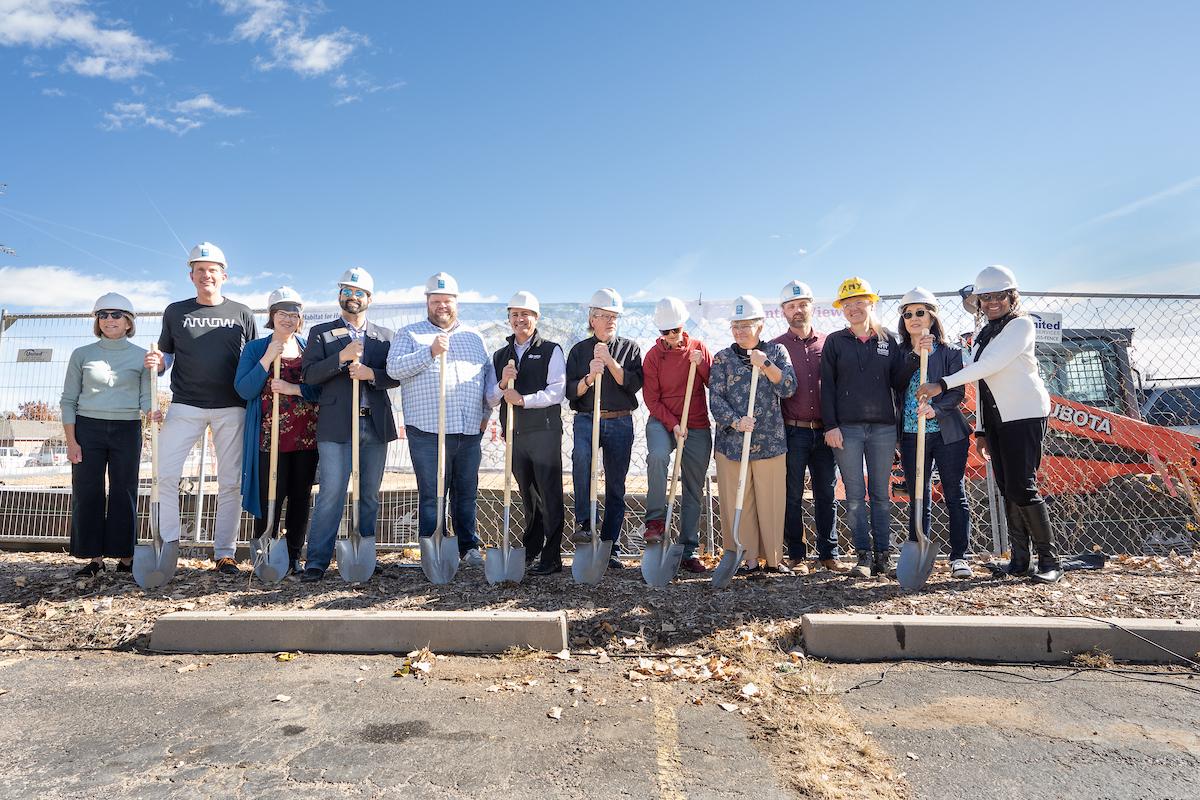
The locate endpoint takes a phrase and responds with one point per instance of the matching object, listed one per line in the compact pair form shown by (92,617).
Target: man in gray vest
(533,381)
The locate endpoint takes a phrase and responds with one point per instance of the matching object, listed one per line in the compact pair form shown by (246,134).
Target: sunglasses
(348,292)
(993,297)
(919,313)
(669,331)
(105,314)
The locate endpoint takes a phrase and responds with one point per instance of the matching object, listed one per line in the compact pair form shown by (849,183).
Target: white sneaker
(959,568)
(473,558)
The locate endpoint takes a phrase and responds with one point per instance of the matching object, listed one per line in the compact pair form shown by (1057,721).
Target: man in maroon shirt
(806,436)
(665,370)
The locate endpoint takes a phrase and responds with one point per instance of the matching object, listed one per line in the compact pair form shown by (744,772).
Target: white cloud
(101,49)
(75,291)
(138,115)
(1148,200)
(1178,278)
(676,280)
(252,299)
(205,104)
(284,27)
(347,99)
(416,294)
(53,92)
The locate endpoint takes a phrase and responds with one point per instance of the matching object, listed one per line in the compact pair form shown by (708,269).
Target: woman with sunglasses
(1010,424)
(861,369)
(297,465)
(765,496)
(947,434)
(104,395)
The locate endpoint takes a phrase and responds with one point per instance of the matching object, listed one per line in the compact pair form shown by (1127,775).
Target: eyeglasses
(993,297)
(859,303)
(743,326)
(289,314)
(106,314)
(669,331)
(605,316)
(919,313)
(348,292)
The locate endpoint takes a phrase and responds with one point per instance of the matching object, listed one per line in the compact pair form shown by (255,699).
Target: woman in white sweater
(1012,406)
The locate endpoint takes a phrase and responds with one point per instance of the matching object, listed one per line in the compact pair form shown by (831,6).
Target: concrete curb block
(1037,640)
(358,631)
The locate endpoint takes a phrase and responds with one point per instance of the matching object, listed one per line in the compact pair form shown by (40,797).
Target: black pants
(1016,449)
(297,470)
(537,468)
(105,525)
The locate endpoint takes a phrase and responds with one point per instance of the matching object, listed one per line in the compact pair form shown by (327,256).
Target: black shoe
(582,535)
(312,575)
(862,569)
(614,562)
(1049,570)
(90,570)
(747,569)
(123,567)
(544,568)
(1018,540)
(378,568)
(294,567)
(227,566)
(881,564)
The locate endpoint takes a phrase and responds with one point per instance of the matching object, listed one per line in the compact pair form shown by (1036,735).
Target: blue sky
(661,148)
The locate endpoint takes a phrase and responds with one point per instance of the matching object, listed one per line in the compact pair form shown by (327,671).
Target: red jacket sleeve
(652,389)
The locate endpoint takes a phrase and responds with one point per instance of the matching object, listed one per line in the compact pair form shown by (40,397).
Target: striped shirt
(411,362)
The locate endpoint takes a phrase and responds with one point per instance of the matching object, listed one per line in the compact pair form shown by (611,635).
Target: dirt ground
(739,648)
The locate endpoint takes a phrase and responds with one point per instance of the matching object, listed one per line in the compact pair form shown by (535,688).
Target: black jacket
(533,371)
(322,368)
(947,359)
(859,380)
(613,396)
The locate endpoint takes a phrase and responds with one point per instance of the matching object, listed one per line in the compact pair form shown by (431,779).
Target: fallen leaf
(88,607)
(19,581)
(913,756)
(728,706)
(359,680)
(188,668)
(281,698)
(563,655)
(285,656)
(363,667)
(555,712)
(749,690)
(604,659)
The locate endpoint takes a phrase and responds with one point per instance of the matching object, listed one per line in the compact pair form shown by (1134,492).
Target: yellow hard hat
(854,287)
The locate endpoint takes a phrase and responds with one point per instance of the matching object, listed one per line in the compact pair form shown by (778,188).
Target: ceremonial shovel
(916,558)
(154,563)
(661,559)
(730,559)
(439,552)
(504,563)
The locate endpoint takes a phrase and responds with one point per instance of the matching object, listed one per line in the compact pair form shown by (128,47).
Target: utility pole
(8,251)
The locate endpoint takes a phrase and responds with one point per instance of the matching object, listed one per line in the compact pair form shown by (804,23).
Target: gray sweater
(106,380)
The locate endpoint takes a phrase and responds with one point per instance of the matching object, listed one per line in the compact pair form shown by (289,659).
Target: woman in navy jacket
(297,466)
(947,434)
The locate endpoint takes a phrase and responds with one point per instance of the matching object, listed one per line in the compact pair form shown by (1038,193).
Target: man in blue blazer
(346,348)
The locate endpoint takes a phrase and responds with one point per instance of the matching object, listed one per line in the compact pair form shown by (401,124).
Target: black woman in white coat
(1011,419)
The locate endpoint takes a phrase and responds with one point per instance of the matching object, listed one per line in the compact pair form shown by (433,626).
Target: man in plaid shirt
(414,361)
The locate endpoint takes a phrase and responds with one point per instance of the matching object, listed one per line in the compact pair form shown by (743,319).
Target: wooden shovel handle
(683,420)
(274,473)
(745,463)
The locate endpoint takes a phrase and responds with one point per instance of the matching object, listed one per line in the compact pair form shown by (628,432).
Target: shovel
(730,559)
(661,559)
(355,553)
(591,560)
(916,558)
(506,564)
(439,552)
(270,554)
(154,563)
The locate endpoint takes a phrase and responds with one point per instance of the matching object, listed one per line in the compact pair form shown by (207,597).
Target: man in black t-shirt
(201,342)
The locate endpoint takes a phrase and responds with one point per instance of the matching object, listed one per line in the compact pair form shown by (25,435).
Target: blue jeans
(874,443)
(616,446)
(951,462)
(807,450)
(463,455)
(697,453)
(333,465)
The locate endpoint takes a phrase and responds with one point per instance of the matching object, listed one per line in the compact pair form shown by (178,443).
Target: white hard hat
(670,313)
(795,290)
(995,278)
(441,283)
(525,300)
(746,306)
(112,302)
(207,251)
(285,294)
(358,278)
(918,294)
(607,300)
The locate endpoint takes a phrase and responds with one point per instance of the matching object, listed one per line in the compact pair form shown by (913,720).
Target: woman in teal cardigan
(297,466)
(104,394)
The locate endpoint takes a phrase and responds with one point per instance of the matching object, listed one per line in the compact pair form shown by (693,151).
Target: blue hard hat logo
(353,276)
(203,251)
(795,291)
(738,309)
(441,284)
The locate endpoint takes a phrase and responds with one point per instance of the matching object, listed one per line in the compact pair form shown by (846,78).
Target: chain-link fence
(1120,466)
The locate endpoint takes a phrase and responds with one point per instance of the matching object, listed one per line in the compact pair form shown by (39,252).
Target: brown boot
(833,565)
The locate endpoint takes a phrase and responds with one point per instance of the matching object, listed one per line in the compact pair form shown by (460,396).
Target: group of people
(824,405)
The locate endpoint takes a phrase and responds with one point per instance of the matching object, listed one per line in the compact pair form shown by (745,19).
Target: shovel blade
(590,562)
(725,569)
(504,566)
(154,564)
(356,558)
(271,564)
(439,558)
(660,563)
(915,564)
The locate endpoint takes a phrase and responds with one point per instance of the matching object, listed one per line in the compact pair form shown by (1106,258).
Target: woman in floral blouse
(761,530)
(297,465)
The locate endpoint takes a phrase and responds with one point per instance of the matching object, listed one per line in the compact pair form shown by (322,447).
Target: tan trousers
(761,528)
